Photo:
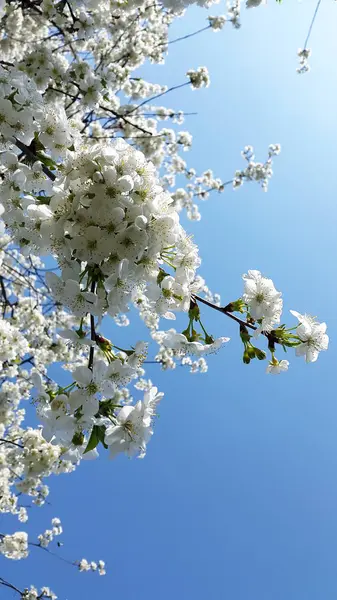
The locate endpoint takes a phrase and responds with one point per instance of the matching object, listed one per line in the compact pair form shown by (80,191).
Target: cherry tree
(93,180)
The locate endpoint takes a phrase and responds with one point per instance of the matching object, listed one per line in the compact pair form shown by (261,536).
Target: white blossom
(312,335)
(275,367)
(263,300)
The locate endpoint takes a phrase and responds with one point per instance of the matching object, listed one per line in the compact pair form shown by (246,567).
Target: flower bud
(260,355)
(246,358)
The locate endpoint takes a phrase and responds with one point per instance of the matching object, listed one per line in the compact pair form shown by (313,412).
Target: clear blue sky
(236,498)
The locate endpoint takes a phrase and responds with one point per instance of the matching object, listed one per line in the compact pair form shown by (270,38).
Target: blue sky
(237,495)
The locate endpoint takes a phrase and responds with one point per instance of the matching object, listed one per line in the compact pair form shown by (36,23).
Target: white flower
(303,54)
(58,427)
(92,245)
(101,567)
(84,565)
(276,367)
(263,300)
(133,429)
(70,334)
(199,78)
(14,546)
(312,335)
(55,131)
(151,398)
(79,302)
(217,22)
(117,373)
(90,382)
(179,342)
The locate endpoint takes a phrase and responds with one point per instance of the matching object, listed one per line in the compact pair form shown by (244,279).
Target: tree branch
(10,586)
(171,89)
(223,310)
(10,442)
(185,37)
(92,331)
(28,152)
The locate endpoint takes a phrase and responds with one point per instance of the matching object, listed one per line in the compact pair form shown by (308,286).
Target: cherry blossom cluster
(264,306)
(89,172)
(89,90)
(29,323)
(16,547)
(48,535)
(261,304)
(45,593)
(99,566)
(199,187)
(303,55)
(20,105)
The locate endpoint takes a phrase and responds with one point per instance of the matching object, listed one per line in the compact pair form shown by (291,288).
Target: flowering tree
(93,183)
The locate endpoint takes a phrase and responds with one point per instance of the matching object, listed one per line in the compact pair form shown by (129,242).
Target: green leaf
(161,275)
(101,435)
(46,160)
(97,436)
(37,144)
(93,440)
(43,199)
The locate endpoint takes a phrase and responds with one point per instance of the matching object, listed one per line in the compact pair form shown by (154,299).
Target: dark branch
(30,154)
(224,311)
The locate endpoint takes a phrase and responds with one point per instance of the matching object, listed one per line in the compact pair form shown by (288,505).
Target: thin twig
(223,310)
(185,37)
(10,442)
(312,24)
(10,586)
(171,89)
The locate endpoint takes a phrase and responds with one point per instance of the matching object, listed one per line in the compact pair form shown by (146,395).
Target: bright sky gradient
(237,496)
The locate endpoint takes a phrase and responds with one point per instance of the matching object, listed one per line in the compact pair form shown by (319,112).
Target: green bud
(251,351)
(260,355)
(186,333)
(194,312)
(80,333)
(236,306)
(78,438)
(283,337)
(246,358)
(195,336)
(161,275)
(103,344)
